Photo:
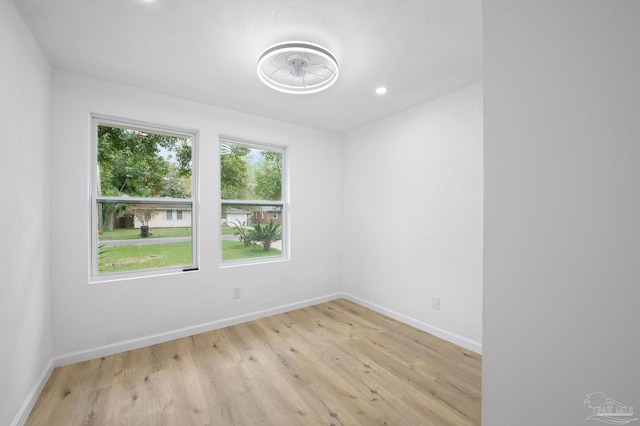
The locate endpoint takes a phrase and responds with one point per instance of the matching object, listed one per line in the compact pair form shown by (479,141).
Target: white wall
(25,318)
(86,315)
(424,165)
(562,208)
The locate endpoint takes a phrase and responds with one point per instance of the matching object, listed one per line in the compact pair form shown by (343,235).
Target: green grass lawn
(134,233)
(229,230)
(236,250)
(149,256)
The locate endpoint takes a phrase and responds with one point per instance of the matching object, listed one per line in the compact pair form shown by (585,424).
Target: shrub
(266,233)
(242,232)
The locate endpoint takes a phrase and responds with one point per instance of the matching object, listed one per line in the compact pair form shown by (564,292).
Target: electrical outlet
(435,302)
(236,293)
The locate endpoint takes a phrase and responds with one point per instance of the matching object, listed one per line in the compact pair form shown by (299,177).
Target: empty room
(304,212)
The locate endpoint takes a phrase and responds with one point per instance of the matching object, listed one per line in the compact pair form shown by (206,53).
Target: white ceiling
(206,50)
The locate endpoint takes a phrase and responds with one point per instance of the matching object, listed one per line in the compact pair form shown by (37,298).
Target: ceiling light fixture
(297,67)
(381,90)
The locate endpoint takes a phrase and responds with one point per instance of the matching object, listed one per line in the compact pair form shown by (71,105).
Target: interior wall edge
(23,413)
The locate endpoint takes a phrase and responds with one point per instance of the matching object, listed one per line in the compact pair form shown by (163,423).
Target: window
(252,182)
(178,214)
(142,173)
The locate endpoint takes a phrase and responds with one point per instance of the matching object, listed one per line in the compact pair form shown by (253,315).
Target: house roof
(186,207)
(233,210)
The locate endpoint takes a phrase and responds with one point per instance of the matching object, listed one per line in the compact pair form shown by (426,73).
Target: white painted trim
(153,339)
(24,411)
(467,343)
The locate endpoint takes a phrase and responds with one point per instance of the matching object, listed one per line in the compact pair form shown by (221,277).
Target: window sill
(250,262)
(127,276)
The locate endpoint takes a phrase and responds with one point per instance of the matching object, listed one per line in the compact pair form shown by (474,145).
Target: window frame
(168,214)
(283,204)
(95,197)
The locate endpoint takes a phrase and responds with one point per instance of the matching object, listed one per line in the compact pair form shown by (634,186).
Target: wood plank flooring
(336,363)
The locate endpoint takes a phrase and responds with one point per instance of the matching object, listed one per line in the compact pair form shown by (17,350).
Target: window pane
(251,231)
(141,177)
(140,163)
(133,237)
(248,173)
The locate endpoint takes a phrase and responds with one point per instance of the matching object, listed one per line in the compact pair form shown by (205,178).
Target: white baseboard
(472,345)
(24,411)
(127,345)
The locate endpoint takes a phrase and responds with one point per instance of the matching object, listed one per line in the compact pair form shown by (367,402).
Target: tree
(108,212)
(144,214)
(234,173)
(266,234)
(176,186)
(268,176)
(130,161)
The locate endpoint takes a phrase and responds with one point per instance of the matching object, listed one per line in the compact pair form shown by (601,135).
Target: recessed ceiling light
(297,67)
(381,90)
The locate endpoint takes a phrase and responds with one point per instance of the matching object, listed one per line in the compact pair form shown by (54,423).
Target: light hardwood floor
(336,363)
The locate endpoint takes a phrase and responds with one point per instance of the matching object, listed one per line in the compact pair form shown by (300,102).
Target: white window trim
(96,120)
(282,204)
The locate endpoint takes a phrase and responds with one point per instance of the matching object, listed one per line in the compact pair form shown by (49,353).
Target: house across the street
(235,216)
(267,214)
(169,216)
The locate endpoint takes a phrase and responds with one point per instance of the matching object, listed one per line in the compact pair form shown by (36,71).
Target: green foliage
(176,186)
(268,176)
(101,250)
(183,156)
(266,233)
(234,173)
(244,178)
(130,161)
(108,212)
(242,232)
